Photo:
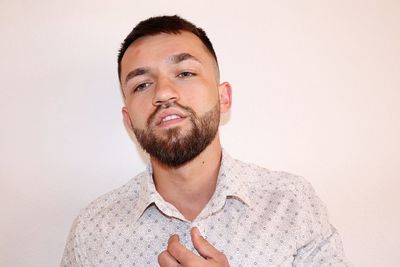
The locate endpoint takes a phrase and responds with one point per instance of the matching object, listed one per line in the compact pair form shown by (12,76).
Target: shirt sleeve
(72,256)
(322,246)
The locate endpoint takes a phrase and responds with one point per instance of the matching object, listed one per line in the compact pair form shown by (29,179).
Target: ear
(225,96)
(127,119)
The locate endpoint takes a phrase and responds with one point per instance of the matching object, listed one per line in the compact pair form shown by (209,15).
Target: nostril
(166,104)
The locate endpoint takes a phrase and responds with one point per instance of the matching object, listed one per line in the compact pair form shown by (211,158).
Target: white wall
(316,92)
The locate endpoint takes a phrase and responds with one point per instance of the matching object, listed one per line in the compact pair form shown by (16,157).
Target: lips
(170,115)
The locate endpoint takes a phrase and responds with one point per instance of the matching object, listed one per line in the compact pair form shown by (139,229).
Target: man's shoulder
(279,187)
(261,178)
(113,201)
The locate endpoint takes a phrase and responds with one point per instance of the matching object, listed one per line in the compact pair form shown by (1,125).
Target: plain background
(316,88)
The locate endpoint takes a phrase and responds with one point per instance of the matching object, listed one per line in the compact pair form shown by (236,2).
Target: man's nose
(165,92)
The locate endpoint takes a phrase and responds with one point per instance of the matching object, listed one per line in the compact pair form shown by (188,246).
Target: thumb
(205,249)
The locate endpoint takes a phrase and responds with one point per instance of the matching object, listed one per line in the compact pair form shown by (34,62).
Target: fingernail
(172,237)
(177,236)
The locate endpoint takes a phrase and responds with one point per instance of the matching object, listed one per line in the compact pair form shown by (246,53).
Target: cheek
(139,113)
(208,99)
(201,96)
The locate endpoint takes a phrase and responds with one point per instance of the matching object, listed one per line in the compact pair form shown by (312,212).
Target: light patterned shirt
(256,217)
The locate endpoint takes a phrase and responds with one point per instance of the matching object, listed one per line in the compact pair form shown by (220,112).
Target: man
(194,205)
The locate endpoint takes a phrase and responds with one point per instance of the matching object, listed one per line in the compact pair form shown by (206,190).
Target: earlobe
(225,96)
(127,119)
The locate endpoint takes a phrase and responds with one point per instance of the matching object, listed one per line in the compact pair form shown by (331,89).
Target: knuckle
(162,258)
(219,255)
(181,253)
(225,260)
(222,257)
(173,247)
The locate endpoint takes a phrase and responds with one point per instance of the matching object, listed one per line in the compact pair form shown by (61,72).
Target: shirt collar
(147,192)
(231,179)
(230,184)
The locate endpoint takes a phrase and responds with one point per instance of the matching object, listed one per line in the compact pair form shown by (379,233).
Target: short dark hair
(163,24)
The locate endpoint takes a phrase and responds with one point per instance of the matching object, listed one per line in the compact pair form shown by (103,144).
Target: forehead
(151,49)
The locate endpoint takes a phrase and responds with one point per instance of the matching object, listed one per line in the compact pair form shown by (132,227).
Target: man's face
(172,96)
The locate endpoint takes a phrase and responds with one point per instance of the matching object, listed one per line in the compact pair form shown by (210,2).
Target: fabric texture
(256,217)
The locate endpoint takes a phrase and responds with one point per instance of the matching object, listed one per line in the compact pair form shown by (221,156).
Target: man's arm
(324,246)
(322,252)
(71,254)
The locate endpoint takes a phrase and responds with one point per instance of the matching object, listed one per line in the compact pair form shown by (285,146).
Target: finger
(204,248)
(181,253)
(166,260)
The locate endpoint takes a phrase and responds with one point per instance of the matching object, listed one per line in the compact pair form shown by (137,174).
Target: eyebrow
(174,59)
(136,72)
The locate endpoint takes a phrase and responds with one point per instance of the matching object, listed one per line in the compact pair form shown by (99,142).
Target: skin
(192,82)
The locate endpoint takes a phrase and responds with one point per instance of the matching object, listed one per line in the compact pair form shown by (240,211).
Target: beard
(175,148)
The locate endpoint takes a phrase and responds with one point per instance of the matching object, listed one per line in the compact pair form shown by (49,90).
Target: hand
(178,255)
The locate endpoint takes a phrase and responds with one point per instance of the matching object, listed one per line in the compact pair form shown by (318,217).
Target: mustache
(187,111)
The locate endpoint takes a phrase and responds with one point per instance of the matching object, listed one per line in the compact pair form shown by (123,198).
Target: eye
(186,74)
(142,86)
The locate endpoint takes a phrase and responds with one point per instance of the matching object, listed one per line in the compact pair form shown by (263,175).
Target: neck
(190,186)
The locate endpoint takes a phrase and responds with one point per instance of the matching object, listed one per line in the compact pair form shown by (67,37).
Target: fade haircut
(163,24)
